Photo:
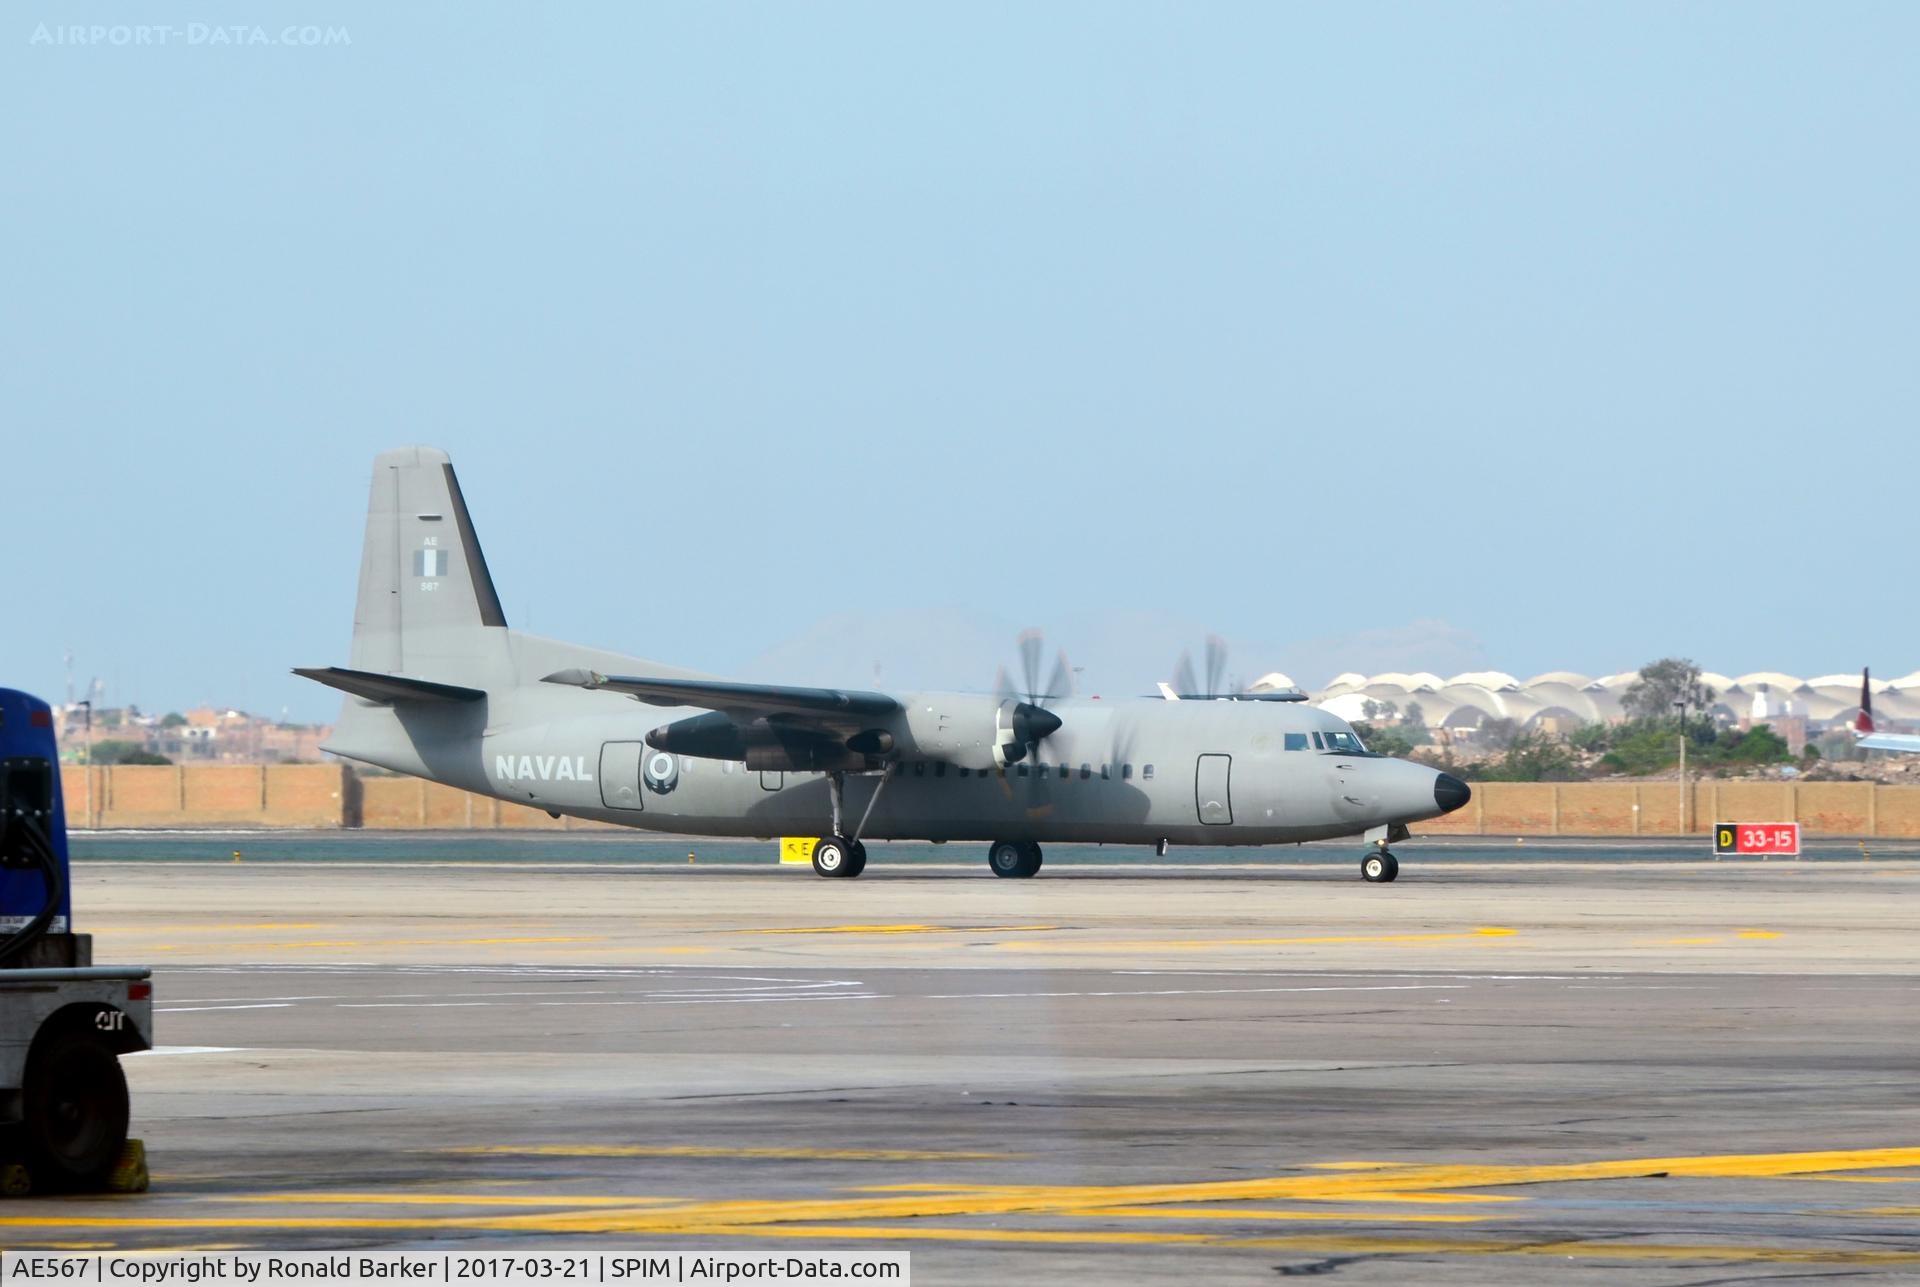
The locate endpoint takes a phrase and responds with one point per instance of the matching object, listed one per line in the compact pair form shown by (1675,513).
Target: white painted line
(1186,992)
(190,1009)
(185,1050)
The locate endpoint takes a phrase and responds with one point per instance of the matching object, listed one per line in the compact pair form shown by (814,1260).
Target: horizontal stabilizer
(387,688)
(719,695)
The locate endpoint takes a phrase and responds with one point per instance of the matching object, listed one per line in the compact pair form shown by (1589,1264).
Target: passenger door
(620,775)
(1213,789)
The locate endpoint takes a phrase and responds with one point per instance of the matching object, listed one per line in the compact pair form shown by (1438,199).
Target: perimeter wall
(332,795)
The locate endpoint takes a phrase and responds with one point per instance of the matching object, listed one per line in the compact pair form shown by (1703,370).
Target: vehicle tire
(1008,858)
(1393,869)
(1374,867)
(74,1106)
(856,859)
(832,856)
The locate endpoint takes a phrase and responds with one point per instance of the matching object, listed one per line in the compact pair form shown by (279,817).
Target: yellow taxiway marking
(369,942)
(701,1150)
(1346,1197)
(1375,1244)
(1259,1213)
(1067,945)
(877,1216)
(448,1199)
(902,929)
(1757,933)
(195,929)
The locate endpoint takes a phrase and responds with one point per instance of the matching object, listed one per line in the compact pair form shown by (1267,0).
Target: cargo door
(620,775)
(1212,789)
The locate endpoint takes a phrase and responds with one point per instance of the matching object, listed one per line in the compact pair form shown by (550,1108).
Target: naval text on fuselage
(703,1267)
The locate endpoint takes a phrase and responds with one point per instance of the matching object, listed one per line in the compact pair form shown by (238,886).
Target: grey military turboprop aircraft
(440,688)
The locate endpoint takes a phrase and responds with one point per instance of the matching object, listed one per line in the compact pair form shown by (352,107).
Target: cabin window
(1146,770)
(1296,741)
(1043,769)
(1126,772)
(1086,771)
(1106,772)
(940,769)
(1023,770)
(919,768)
(1066,771)
(963,770)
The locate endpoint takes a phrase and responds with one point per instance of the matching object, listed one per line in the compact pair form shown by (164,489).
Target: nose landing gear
(1379,868)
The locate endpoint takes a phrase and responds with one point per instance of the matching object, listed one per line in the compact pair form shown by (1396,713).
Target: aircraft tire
(1379,868)
(856,859)
(833,856)
(1014,858)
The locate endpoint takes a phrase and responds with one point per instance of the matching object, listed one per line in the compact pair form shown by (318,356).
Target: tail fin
(427,606)
(1863,722)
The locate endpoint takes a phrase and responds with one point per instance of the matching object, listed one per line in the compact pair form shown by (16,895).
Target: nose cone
(1450,792)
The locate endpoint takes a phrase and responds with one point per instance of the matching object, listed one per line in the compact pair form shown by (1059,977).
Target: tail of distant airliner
(1867,734)
(1863,722)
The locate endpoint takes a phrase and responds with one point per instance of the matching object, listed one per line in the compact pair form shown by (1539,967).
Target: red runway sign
(1757,838)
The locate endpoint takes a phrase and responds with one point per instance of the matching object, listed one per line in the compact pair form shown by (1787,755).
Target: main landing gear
(1014,857)
(1380,867)
(838,854)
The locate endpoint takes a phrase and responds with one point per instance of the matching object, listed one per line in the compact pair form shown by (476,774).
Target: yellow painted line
(1884,1211)
(701,1150)
(1259,1213)
(901,929)
(1486,932)
(1757,933)
(368,942)
(1307,1197)
(194,929)
(445,1199)
(1356,1243)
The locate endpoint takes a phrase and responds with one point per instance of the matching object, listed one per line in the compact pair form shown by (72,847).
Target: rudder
(426,604)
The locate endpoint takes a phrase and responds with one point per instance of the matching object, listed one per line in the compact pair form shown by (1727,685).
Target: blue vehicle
(64,1022)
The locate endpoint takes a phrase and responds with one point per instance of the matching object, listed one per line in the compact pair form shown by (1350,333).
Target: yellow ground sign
(796,849)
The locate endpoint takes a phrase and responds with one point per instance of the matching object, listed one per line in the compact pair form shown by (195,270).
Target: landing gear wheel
(856,858)
(1017,858)
(74,1122)
(834,856)
(1380,868)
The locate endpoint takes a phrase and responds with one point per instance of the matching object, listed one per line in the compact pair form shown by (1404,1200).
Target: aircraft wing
(753,701)
(1890,742)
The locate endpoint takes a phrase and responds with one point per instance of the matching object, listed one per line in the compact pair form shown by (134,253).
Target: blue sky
(786,340)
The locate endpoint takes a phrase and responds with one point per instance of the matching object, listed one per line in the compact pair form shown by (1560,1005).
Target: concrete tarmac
(1682,1073)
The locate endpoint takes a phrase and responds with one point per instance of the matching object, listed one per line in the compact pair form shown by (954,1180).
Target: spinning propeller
(1023,720)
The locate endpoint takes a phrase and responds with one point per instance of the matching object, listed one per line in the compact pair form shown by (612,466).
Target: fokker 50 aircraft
(438,687)
(1863,728)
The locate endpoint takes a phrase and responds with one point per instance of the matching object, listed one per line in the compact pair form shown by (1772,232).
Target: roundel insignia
(661,773)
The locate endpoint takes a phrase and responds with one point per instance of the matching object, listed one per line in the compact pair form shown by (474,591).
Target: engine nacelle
(973,730)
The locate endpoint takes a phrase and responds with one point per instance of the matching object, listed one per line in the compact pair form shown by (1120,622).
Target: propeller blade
(1060,682)
(1002,686)
(1183,681)
(1216,664)
(1031,645)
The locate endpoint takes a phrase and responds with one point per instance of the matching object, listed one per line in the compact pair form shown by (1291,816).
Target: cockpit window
(1345,742)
